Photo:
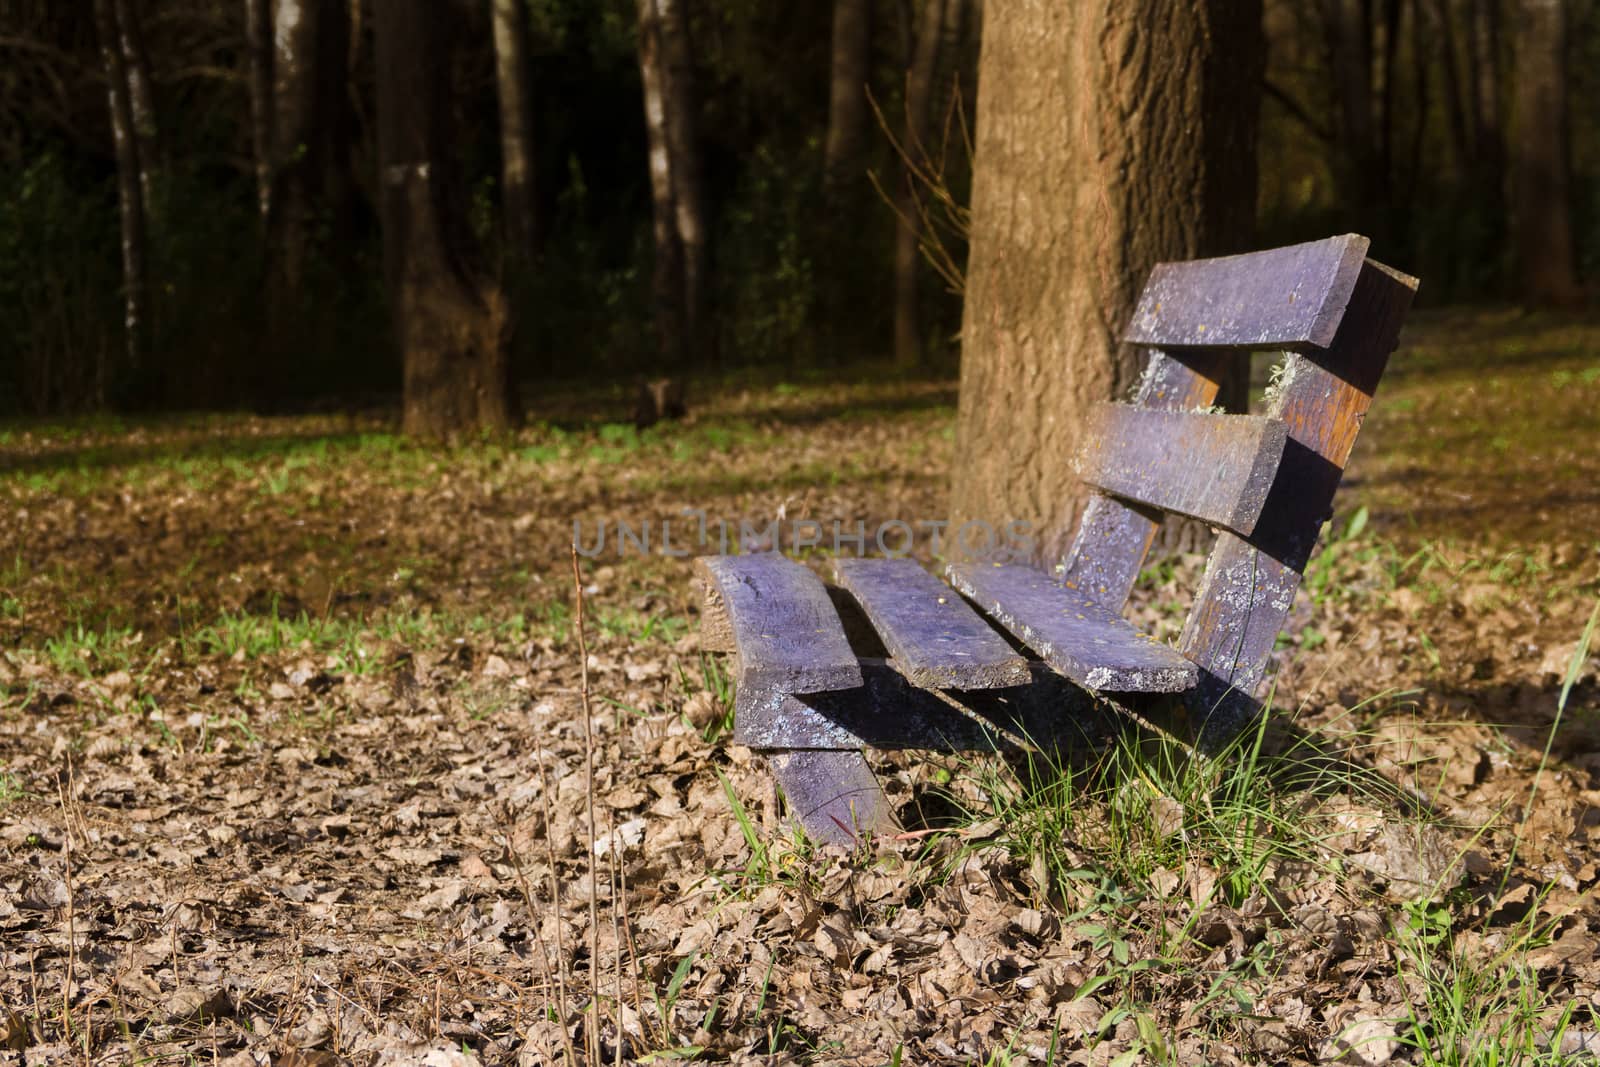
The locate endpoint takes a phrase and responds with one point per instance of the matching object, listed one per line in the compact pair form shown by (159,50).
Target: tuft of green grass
(86,651)
(1479,1008)
(10,788)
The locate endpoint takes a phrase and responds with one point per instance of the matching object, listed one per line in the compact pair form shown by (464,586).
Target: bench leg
(834,794)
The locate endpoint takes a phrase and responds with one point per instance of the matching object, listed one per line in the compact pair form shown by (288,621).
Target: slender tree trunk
(297,158)
(688,195)
(1351,47)
(258,43)
(518,172)
(1543,215)
(449,321)
(667,285)
(914,143)
(310,178)
(1455,104)
(141,96)
(847,97)
(1099,126)
(130,199)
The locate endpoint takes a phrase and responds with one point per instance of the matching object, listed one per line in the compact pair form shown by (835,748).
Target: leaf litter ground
(293,758)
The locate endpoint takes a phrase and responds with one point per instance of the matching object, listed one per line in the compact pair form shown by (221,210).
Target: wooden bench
(945,678)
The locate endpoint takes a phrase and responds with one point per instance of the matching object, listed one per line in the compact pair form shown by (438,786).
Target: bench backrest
(1268,482)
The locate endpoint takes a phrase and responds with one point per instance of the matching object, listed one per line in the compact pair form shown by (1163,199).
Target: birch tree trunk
(141,97)
(130,202)
(1547,274)
(914,143)
(1100,125)
(449,320)
(518,171)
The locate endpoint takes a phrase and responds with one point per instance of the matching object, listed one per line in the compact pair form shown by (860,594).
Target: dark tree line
(287,202)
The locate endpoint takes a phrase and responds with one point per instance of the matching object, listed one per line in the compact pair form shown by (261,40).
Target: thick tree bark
(1543,215)
(667,277)
(518,170)
(1101,128)
(448,319)
(258,45)
(130,198)
(847,97)
(908,217)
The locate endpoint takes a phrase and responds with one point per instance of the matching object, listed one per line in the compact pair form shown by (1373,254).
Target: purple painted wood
(1292,297)
(1249,583)
(834,795)
(937,641)
(788,634)
(1215,468)
(1076,635)
(889,712)
(1114,536)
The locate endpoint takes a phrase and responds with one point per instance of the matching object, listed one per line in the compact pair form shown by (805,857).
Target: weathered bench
(944,678)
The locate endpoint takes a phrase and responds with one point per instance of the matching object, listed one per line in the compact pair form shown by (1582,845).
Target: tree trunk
(258,43)
(448,320)
(130,200)
(310,39)
(688,196)
(1543,215)
(908,207)
(847,97)
(518,173)
(667,277)
(1106,134)
(141,96)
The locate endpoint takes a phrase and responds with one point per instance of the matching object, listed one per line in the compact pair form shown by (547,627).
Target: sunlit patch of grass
(1480,1007)
(11,788)
(712,685)
(780,861)
(87,651)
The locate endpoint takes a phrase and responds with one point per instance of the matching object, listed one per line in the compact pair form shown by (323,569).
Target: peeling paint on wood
(1215,468)
(787,632)
(834,795)
(937,641)
(1114,536)
(1249,583)
(1292,297)
(889,712)
(1076,635)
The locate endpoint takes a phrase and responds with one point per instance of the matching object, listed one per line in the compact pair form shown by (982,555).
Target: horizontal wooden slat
(1077,636)
(1289,297)
(784,626)
(937,641)
(1215,468)
(888,712)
